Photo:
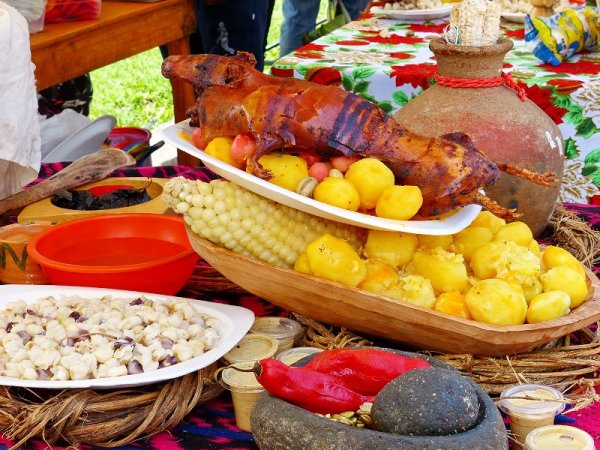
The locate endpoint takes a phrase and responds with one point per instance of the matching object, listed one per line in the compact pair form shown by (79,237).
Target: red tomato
(101,190)
(342,163)
(196,136)
(309,157)
(242,148)
(319,170)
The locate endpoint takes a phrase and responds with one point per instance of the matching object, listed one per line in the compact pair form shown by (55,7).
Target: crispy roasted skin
(287,114)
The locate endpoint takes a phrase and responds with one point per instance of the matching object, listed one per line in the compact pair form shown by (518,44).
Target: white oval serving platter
(179,134)
(414,14)
(235,322)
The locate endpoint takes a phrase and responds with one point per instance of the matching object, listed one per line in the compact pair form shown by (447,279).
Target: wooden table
(70,49)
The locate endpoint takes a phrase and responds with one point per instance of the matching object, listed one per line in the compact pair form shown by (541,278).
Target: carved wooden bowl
(383,317)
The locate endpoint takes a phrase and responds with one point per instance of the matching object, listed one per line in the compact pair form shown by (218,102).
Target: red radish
(319,170)
(310,157)
(243,146)
(196,138)
(342,163)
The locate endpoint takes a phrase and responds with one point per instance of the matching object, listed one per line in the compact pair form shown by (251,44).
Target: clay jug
(501,125)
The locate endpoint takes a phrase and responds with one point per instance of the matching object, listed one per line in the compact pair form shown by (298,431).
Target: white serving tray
(178,135)
(235,322)
(414,14)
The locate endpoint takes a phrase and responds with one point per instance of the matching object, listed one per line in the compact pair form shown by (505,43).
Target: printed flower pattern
(388,62)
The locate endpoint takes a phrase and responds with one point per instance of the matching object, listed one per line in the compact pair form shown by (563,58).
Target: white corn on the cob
(249,224)
(477,22)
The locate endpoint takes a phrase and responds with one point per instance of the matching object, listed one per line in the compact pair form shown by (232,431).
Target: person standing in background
(225,27)
(300,17)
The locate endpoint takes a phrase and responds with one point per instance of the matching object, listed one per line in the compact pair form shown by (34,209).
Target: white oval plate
(87,140)
(516,17)
(414,14)
(449,225)
(235,322)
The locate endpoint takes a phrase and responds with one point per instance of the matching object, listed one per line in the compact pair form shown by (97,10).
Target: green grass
(134,91)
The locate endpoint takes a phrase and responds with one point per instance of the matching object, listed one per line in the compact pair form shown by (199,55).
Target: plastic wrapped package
(32,10)
(562,35)
(69,10)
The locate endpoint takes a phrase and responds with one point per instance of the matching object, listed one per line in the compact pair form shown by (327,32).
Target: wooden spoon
(87,169)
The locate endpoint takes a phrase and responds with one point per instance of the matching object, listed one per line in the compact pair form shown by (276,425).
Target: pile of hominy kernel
(74,338)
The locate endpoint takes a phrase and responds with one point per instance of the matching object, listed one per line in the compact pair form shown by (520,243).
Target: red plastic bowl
(138,252)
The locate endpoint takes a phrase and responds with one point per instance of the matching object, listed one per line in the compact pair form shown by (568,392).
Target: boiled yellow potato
(380,277)
(413,289)
(555,256)
(337,192)
(547,306)
(392,247)
(518,232)
(371,177)
(504,259)
(220,148)
(534,247)
(468,240)
(452,303)
(488,220)
(426,241)
(446,271)
(530,285)
(566,279)
(496,302)
(287,170)
(301,264)
(334,259)
(399,202)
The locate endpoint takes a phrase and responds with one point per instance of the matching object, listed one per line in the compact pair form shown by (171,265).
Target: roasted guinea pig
(291,115)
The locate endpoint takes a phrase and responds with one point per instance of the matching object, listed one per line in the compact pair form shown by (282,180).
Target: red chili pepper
(366,370)
(314,391)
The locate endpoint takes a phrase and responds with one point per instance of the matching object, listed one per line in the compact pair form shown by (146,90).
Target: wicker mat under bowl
(108,418)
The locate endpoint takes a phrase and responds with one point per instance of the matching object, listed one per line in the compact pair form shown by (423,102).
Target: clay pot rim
(439,46)
(7,230)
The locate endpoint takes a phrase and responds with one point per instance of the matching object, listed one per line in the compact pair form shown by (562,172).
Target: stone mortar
(278,425)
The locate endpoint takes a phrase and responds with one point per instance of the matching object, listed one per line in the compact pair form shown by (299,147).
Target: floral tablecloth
(389,63)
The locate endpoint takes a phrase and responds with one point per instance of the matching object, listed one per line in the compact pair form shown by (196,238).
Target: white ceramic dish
(414,14)
(87,140)
(449,225)
(235,322)
(516,17)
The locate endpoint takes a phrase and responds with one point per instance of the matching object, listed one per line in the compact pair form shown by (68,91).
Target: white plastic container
(252,348)
(293,355)
(245,391)
(285,330)
(530,406)
(559,437)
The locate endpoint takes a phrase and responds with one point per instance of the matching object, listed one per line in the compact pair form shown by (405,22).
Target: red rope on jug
(504,78)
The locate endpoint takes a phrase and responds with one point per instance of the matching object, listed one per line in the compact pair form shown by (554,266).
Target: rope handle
(504,78)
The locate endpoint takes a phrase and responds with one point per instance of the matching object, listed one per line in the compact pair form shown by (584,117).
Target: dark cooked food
(426,402)
(83,200)
(282,113)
